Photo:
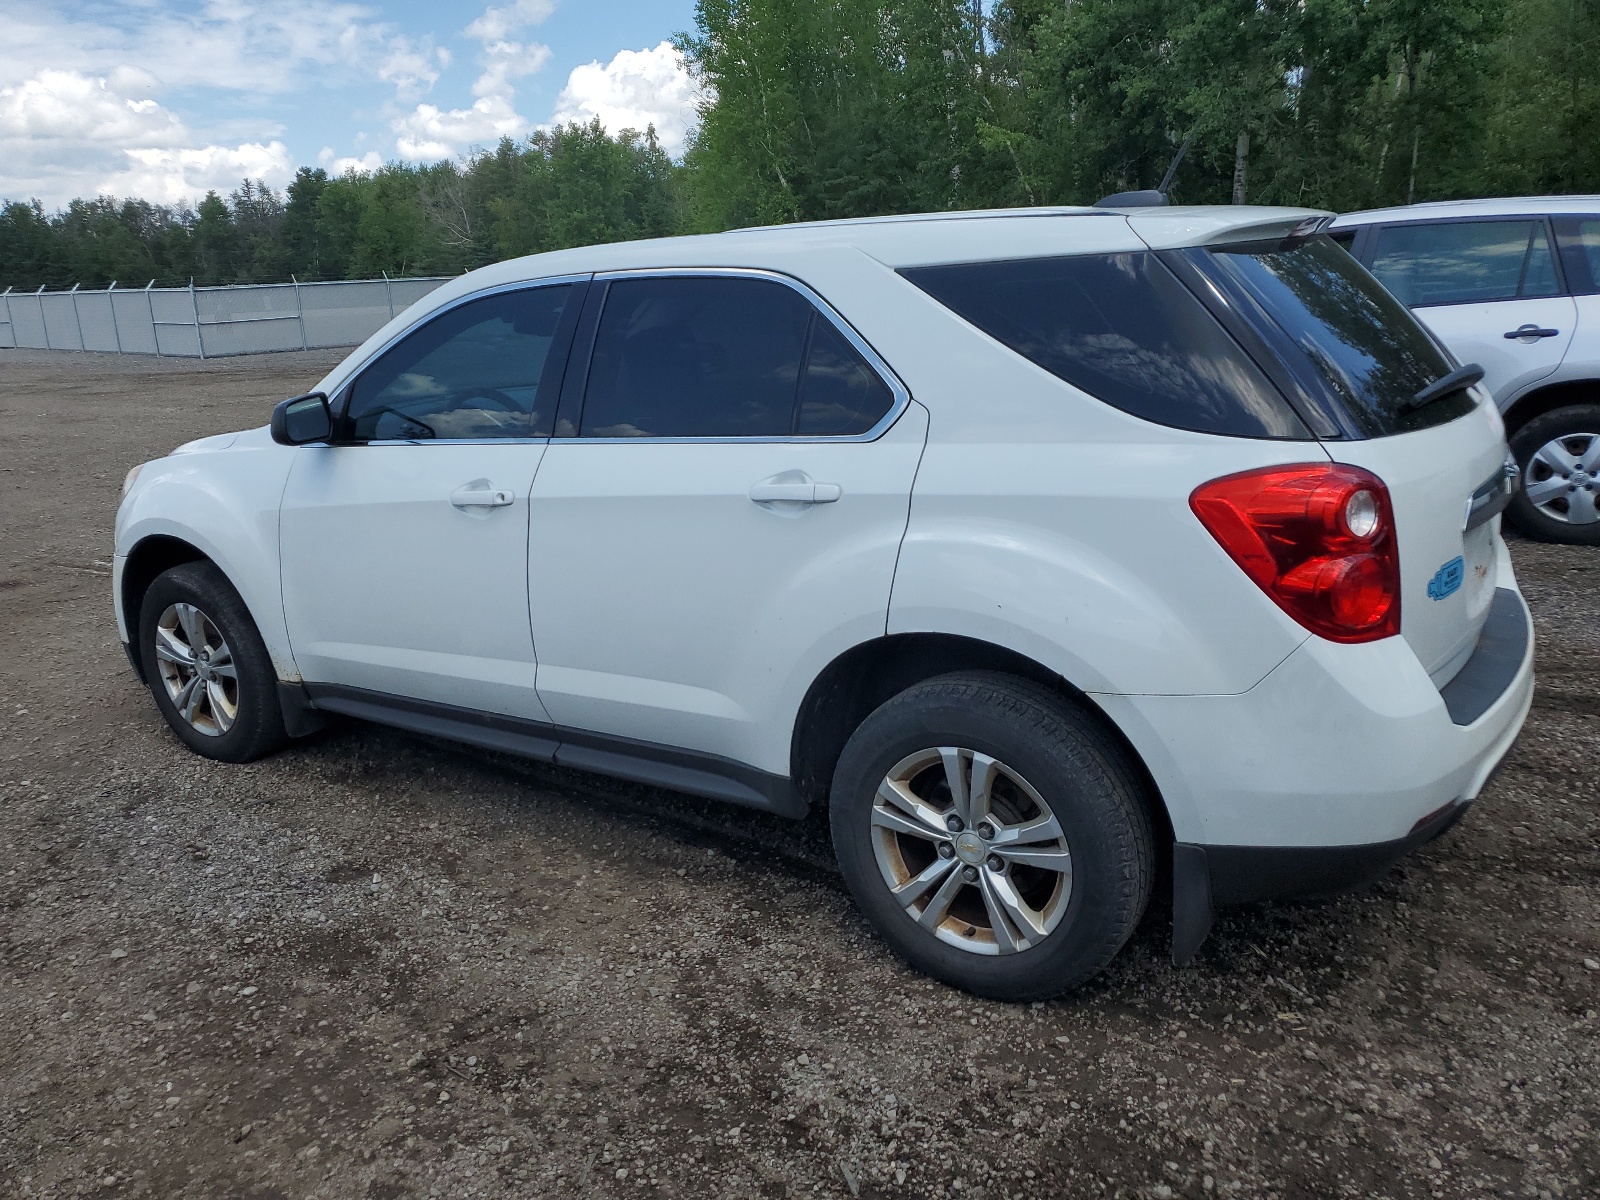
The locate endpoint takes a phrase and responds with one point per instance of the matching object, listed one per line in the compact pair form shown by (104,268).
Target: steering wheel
(495,396)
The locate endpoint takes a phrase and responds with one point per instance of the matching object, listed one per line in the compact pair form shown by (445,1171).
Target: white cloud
(365,165)
(429,133)
(64,134)
(635,89)
(497,24)
(173,176)
(84,88)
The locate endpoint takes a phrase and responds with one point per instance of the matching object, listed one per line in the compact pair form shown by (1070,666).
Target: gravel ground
(378,966)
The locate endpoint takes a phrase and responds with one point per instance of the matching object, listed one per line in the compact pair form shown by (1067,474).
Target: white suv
(1054,550)
(1513,285)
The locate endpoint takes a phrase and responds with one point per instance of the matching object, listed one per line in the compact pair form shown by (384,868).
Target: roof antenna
(1151,198)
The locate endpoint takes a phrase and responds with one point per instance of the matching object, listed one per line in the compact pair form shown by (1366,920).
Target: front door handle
(796,493)
(1530,331)
(475,495)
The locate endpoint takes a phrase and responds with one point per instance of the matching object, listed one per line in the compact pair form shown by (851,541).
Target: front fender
(224,502)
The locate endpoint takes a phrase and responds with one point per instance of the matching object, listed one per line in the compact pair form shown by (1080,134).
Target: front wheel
(207,666)
(994,835)
(1558,499)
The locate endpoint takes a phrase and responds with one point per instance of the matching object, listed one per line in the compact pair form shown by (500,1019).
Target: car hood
(244,439)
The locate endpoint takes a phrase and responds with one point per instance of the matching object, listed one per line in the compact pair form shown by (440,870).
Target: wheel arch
(857,681)
(1538,401)
(147,560)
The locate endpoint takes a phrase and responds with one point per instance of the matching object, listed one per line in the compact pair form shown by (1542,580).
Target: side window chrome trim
(342,392)
(901,394)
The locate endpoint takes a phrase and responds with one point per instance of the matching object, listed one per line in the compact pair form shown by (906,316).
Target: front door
(1488,289)
(404,544)
(725,521)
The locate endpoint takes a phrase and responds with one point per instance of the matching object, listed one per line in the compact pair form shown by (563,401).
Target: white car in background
(1513,285)
(1051,549)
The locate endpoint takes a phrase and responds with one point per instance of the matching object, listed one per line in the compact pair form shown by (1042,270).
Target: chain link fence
(206,322)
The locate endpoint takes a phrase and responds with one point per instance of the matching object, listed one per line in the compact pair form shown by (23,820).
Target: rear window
(1124,329)
(1344,337)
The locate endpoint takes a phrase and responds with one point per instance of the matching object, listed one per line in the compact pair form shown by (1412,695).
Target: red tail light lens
(1318,538)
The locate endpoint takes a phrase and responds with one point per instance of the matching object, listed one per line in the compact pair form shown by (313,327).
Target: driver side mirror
(302,419)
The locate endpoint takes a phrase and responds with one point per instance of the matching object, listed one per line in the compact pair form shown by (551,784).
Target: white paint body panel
(221,496)
(670,608)
(1476,333)
(1431,474)
(1339,745)
(633,588)
(390,587)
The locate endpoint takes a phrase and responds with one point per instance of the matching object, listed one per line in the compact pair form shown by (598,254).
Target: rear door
(1489,288)
(1345,338)
(723,517)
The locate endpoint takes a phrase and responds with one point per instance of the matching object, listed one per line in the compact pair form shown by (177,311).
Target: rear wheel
(993,834)
(207,666)
(1558,499)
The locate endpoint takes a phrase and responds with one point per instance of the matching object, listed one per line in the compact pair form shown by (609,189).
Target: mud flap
(1191,901)
(300,716)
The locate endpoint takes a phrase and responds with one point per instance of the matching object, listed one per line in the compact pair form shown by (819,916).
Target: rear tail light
(1317,538)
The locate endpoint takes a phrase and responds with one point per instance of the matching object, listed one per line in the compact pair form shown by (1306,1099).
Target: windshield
(1338,330)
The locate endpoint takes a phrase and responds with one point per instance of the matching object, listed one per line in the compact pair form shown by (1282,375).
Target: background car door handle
(1530,331)
(796,493)
(472,496)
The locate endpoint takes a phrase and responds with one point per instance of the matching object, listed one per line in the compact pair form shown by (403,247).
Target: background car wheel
(993,834)
(207,666)
(1558,497)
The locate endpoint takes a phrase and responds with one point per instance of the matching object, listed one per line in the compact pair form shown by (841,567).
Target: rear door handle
(475,496)
(796,493)
(1530,331)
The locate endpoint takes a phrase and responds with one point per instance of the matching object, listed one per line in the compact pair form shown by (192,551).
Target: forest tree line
(839,108)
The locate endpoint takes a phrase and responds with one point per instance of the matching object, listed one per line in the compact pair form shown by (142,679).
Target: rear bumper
(1339,746)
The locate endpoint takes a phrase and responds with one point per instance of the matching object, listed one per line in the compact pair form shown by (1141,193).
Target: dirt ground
(378,966)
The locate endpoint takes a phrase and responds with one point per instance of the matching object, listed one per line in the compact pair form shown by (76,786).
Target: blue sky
(165,99)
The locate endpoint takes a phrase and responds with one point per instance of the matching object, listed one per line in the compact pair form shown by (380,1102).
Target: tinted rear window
(1124,329)
(1340,332)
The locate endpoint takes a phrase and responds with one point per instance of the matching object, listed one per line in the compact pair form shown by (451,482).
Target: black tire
(1570,422)
(1070,761)
(257,725)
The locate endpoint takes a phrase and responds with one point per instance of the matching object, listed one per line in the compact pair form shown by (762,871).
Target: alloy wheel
(971,850)
(197,669)
(1562,479)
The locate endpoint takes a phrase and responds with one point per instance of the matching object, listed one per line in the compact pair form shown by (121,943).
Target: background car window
(1465,262)
(1580,243)
(696,356)
(841,394)
(1125,330)
(470,373)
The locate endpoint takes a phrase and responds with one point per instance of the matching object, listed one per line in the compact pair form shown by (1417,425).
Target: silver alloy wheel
(971,851)
(197,669)
(1563,478)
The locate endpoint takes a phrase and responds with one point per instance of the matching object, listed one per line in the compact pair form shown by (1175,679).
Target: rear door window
(1466,262)
(710,356)
(1347,340)
(1124,329)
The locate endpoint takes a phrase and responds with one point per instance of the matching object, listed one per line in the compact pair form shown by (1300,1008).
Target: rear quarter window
(1124,329)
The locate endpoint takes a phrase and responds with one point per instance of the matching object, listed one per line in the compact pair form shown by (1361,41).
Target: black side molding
(698,774)
(1502,646)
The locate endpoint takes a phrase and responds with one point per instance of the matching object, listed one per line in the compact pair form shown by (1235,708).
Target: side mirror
(302,419)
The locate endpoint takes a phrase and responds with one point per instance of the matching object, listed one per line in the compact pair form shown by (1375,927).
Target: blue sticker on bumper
(1446,580)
